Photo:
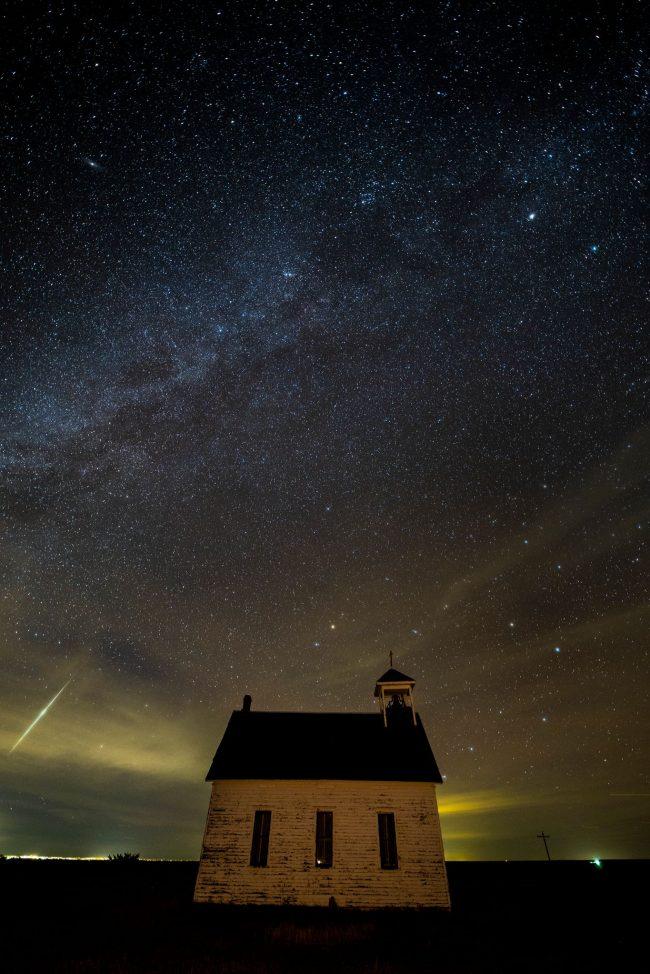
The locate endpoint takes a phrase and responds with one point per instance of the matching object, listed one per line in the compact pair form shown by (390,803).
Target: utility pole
(543,836)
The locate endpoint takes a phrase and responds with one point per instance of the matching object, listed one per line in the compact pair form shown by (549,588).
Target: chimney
(246,706)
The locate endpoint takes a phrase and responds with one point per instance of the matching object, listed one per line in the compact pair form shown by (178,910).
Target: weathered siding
(356,879)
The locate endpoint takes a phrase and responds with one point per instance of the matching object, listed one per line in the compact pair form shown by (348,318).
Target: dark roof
(394,676)
(339,746)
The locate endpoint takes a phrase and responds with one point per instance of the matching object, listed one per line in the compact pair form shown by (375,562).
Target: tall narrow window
(324,839)
(260,845)
(387,840)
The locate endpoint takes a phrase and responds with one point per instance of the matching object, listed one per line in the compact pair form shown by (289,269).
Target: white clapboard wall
(356,878)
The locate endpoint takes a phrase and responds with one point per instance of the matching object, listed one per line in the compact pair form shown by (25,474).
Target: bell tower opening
(394,691)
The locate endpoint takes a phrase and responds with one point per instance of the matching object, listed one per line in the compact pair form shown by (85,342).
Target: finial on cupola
(395,693)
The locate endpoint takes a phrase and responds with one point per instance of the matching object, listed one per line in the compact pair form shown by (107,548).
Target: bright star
(531,216)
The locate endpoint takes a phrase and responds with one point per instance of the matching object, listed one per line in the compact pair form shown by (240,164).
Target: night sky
(323,336)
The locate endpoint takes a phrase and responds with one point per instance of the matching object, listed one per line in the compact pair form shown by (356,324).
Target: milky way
(324,337)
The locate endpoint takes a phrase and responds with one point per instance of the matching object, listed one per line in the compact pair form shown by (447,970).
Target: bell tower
(395,693)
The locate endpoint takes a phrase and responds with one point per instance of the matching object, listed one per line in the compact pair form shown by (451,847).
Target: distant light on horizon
(100,858)
(36,855)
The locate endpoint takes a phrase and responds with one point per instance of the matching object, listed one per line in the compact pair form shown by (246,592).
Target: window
(387,840)
(260,846)
(324,843)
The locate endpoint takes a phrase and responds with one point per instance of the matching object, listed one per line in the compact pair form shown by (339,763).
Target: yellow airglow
(469,803)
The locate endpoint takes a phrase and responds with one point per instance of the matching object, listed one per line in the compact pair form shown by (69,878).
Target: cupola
(395,693)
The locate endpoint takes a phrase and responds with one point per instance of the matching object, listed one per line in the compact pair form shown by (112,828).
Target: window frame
(324,846)
(259,857)
(387,829)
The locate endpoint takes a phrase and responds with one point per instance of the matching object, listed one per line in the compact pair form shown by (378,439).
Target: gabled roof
(258,744)
(393,676)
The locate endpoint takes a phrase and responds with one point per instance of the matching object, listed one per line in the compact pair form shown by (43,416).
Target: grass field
(506,917)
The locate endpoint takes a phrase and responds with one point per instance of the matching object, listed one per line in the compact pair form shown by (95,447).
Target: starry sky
(323,336)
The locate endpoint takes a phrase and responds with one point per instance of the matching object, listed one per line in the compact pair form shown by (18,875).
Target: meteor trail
(39,717)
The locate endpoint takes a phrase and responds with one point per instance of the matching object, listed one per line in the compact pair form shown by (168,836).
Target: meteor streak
(39,717)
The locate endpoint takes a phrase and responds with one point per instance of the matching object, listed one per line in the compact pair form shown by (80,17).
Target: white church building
(319,809)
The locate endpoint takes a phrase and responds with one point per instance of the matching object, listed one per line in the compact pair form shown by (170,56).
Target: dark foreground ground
(506,917)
